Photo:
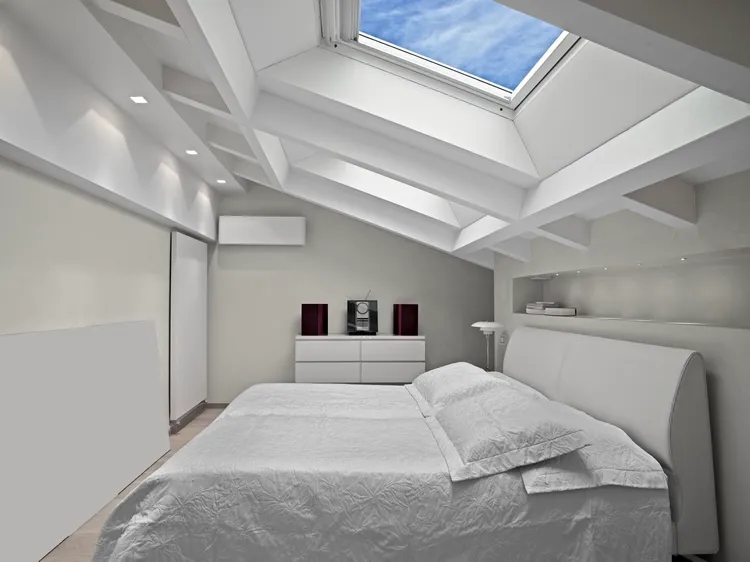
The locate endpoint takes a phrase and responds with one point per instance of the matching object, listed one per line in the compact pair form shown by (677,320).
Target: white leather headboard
(656,394)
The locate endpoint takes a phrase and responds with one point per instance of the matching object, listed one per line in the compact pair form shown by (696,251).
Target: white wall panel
(83,419)
(188,377)
(596,96)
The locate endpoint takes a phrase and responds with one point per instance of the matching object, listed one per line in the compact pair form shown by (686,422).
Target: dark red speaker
(314,320)
(405,320)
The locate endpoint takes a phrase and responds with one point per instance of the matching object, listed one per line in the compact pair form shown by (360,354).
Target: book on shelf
(560,311)
(541,305)
(534,310)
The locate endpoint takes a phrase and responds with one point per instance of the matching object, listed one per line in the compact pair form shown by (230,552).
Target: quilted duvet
(292,487)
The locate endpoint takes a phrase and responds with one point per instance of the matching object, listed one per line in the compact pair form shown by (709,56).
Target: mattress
(329,400)
(288,486)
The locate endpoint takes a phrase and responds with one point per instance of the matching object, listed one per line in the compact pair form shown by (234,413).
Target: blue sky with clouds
(480,37)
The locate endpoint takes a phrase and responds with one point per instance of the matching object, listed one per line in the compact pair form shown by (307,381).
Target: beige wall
(625,239)
(68,260)
(255,292)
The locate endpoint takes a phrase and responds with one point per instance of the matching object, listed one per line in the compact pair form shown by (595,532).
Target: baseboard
(220,405)
(177,425)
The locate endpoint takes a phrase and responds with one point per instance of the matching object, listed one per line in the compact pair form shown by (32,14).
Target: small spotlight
(221,181)
(557,275)
(605,269)
(683,259)
(138,99)
(191,152)
(578,272)
(639,264)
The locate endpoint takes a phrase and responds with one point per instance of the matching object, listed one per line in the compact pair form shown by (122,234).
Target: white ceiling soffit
(214,35)
(404,110)
(696,129)
(158,9)
(277,30)
(731,164)
(55,122)
(296,152)
(464,215)
(594,95)
(170,49)
(704,42)
(71,30)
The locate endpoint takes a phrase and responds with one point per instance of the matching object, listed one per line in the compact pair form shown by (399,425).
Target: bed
(339,472)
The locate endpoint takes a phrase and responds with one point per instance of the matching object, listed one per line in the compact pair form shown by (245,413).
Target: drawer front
(383,372)
(409,350)
(329,351)
(327,372)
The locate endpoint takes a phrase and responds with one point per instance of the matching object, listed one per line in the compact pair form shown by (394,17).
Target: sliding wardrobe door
(188,372)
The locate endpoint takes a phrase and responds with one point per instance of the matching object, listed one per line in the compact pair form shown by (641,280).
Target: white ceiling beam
(229,142)
(671,202)
(387,156)
(150,21)
(382,214)
(695,130)
(708,47)
(381,187)
(516,248)
(572,231)
(213,32)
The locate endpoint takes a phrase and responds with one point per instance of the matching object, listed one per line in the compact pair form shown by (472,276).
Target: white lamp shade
(488,327)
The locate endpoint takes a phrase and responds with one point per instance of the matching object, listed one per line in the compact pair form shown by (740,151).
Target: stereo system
(361,319)
(314,320)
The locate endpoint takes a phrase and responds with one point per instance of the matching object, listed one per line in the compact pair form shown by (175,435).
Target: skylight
(476,39)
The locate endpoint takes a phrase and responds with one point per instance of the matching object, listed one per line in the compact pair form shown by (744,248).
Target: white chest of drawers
(359,359)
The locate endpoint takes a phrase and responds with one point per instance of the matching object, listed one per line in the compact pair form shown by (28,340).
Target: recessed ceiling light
(605,269)
(578,271)
(138,99)
(191,152)
(557,275)
(683,259)
(221,181)
(639,264)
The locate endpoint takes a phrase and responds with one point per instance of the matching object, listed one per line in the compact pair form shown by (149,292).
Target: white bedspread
(329,400)
(326,488)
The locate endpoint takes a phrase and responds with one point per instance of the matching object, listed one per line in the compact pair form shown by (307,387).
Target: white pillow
(612,459)
(502,429)
(446,385)
(518,385)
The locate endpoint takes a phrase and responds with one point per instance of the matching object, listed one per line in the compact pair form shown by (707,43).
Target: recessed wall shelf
(710,289)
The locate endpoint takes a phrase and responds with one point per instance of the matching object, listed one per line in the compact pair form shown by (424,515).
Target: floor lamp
(488,328)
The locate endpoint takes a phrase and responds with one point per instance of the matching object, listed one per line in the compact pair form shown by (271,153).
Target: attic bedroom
(375,280)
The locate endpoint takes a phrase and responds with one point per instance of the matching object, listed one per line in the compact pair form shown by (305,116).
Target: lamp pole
(487,335)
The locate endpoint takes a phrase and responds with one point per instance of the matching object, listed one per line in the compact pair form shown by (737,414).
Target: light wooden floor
(79,547)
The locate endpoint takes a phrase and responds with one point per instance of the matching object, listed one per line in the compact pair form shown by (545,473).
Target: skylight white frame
(340,23)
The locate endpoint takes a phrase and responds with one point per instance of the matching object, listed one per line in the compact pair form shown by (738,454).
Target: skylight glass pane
(479,37)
